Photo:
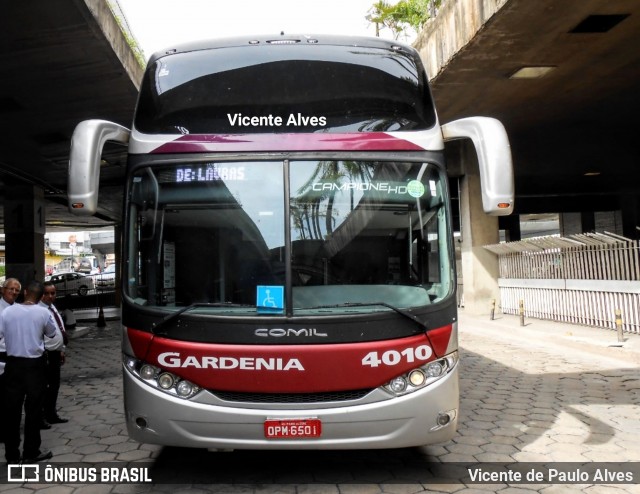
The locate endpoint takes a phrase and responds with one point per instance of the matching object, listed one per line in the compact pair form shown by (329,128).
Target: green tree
(400,16)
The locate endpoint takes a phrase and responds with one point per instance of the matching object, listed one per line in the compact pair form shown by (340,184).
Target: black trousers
(3,399)
(53,384)
(25,383)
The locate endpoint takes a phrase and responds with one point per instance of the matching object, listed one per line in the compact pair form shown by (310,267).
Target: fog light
(147,372)
(443,419)
(165,380)
(398,385)
(184,388)
(416,378)
(434,369)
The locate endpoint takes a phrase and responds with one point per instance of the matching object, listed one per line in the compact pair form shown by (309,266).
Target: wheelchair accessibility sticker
(270,299)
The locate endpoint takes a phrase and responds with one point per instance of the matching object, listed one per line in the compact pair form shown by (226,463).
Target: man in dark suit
(55,355)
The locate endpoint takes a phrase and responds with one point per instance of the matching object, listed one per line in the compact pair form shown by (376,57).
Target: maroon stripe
(371,141)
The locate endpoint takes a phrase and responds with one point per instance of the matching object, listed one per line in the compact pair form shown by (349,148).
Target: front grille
(291,397)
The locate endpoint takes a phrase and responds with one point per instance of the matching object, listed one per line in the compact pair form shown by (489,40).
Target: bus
(288,273)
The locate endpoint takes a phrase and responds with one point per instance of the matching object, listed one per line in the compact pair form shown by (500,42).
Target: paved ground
(539,395)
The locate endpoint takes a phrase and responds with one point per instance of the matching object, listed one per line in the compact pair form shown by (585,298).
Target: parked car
(88,265)
(71,283)
(107,279)
(85,266)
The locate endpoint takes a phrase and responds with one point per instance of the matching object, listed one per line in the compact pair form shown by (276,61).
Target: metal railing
(581,279)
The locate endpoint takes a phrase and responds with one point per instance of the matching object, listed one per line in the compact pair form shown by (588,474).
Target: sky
(158,24)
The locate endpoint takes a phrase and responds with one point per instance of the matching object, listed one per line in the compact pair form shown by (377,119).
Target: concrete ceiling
(63,61)
(57,68)
(580,118)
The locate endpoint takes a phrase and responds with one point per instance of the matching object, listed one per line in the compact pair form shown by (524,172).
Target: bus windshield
(328,232)
(271,88)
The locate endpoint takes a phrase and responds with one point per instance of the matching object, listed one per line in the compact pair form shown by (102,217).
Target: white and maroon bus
(288,272)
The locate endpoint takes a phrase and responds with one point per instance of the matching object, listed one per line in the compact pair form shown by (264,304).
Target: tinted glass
(285,88)
(361,232)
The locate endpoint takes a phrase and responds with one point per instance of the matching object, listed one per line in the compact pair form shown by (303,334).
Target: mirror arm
(87,142)
(490,140)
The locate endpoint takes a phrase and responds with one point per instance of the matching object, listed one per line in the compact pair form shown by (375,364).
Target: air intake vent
(599,23)
(292,398)
(283,41)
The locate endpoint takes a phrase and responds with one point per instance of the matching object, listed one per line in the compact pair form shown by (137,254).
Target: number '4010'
(395,357)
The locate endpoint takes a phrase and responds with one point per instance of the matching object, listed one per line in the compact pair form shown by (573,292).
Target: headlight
(417,377)
(184,388)
(166,380)
(398,385)
(159,379)
(434,369)
(147,371)
(422,376)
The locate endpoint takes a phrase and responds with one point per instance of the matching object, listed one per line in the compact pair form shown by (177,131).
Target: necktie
(56,316)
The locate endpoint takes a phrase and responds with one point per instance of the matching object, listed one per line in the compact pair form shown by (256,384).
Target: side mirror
(83,180)
(494,159)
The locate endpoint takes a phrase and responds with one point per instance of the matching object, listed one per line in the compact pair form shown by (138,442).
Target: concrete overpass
(61,61)
(572,128)
(563,77)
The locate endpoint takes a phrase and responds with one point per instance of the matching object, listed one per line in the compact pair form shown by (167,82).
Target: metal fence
(581,279)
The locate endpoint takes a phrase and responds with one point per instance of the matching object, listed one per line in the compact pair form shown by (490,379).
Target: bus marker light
(504,205)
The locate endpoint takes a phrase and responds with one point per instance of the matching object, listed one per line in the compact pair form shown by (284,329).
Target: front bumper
(202,422)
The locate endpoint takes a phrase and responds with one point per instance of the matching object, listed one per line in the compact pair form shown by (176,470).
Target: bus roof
(352,84)
(262,39)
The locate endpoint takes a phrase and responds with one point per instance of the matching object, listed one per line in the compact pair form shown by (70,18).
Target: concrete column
(479,266)
(588,221)
(630,207)
(570,224)
(24,227)
(511,226)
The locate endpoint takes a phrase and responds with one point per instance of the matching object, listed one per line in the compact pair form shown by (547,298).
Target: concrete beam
(105,21)
(457,22)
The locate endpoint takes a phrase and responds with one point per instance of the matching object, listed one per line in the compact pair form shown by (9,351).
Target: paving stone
(553,405)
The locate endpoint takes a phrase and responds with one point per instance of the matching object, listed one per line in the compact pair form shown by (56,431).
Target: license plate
(292,428)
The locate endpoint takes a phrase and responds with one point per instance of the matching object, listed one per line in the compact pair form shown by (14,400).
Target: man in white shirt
(55,359)
(10,291)
(23,327)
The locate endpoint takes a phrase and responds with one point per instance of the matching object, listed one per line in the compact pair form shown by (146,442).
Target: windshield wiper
(156,325)
(402,312)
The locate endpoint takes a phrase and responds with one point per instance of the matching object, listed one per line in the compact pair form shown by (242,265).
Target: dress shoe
(39,456)
(45,425)
(56,419)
